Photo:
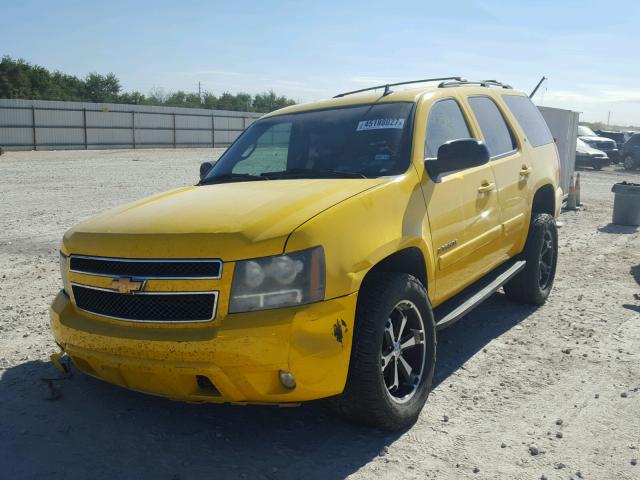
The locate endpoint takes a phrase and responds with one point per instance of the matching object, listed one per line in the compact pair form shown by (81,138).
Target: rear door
(462,206)
(512,169)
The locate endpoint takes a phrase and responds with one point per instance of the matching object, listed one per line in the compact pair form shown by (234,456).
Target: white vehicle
(590,157)
(591,138)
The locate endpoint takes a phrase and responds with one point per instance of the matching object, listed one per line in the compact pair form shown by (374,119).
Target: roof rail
(387,90)
(482,83)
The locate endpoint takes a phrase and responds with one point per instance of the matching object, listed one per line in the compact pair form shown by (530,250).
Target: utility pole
(609,119)
(199,93)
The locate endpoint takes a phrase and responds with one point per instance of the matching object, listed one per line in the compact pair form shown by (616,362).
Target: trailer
(564,128)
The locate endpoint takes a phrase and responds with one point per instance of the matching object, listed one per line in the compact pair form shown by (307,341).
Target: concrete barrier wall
(47,125)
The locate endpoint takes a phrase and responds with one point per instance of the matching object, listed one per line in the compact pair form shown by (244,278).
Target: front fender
(363,230)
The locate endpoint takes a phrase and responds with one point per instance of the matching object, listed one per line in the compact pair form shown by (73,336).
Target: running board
(459,305)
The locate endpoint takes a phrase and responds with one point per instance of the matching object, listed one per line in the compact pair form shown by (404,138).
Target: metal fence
(48,125)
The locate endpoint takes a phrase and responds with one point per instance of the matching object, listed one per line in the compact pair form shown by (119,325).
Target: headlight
(280,281)
(64,272)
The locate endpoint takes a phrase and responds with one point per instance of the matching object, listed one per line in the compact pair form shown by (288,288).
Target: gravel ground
(520,392)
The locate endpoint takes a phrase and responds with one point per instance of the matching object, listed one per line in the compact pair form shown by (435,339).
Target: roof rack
(482,83)
(387,86)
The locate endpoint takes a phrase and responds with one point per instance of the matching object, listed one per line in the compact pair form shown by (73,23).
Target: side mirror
(205,168)
(458,155)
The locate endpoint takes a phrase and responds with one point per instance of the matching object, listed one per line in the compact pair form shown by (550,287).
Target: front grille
(124,267)
(147,307)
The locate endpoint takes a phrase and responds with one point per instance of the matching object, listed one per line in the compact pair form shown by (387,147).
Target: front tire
(393,356)
(533,284)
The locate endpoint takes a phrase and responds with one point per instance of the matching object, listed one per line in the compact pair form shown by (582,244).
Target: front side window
(530,119)
(446,122)
(358,141)
(497,134)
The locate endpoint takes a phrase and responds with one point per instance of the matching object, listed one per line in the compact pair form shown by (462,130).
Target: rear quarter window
(530,119)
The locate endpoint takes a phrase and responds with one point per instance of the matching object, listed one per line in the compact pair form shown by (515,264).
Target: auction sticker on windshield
(380,123)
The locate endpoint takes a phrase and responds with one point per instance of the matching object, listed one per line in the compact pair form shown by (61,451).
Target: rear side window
(497,135)
(446,122)
(530,119)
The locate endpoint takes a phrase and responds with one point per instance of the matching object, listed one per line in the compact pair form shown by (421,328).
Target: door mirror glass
(457,155)
(205,168)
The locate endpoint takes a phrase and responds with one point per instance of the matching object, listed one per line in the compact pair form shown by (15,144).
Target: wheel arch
(544,200)
(409,260)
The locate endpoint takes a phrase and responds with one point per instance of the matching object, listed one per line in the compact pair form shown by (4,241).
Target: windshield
(353,142)
(586,131)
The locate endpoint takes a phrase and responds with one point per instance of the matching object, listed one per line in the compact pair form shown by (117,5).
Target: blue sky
(311,50)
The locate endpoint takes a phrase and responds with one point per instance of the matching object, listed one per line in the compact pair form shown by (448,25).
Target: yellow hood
(230,221)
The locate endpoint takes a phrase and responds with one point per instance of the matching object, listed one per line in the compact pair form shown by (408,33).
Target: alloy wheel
(403,352)
(547,259)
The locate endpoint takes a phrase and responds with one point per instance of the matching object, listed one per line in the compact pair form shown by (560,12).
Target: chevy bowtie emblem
(126,285)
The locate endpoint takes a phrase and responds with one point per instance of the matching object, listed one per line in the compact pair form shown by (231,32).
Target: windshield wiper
(231,177)
(314,173)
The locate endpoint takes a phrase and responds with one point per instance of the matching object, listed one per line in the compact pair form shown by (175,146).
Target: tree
(269,101)
(102,88)
(209,100)
(135,98)
(20,79)
(156,96)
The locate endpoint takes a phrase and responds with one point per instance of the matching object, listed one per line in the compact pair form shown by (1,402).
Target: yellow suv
(321,253)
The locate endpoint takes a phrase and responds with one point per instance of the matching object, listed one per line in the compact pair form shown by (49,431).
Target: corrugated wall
(564,128)
(46,125)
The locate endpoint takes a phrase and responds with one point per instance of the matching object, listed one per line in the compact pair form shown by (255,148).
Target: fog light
(287,380)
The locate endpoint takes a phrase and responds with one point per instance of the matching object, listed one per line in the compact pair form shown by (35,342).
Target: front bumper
(590,160)
(241,355)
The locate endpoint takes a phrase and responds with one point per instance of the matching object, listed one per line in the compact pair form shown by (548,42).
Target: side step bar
(459,305)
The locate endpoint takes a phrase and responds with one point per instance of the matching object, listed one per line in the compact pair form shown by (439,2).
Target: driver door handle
(486,187)
(525,171)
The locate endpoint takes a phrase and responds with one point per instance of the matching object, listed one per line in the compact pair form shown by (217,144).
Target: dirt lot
(562,381)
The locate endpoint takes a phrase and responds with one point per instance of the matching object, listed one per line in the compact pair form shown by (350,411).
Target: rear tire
(596,165)
(391,368)
(533,284)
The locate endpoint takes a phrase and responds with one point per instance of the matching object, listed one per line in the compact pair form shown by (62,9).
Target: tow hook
(60,361)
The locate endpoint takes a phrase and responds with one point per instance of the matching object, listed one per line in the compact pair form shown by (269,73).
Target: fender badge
(447,246)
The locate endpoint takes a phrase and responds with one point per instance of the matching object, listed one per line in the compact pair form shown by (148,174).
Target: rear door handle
(486,187)
(525,171)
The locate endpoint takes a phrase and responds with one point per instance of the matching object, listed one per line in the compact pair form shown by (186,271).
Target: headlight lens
(64,272)
(277,282)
